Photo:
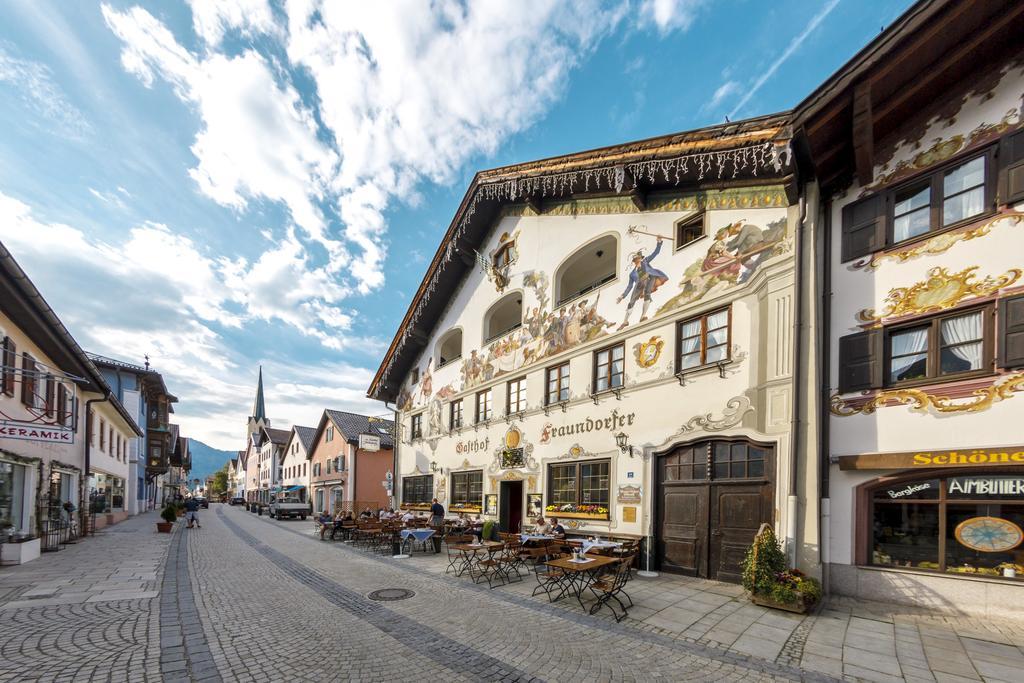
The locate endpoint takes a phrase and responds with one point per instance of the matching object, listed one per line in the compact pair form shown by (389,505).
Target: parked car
(289,507)
(237,500)
(203,502)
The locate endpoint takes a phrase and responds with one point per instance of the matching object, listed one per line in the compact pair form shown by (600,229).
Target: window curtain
(965,332)
(907,345)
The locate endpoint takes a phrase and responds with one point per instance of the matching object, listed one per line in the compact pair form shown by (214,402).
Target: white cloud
(669,15)
(176,304)
(723,91)
(792,47)
(35,86)
(211,19)
(109,197)
(404,92)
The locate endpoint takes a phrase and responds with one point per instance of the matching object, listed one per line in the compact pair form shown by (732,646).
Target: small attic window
(449,347)
(689,230)
(415,375)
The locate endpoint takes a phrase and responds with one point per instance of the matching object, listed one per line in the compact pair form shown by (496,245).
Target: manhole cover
(390,594)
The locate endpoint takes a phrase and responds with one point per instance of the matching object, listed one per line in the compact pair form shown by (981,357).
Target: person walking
(192,512)
(437,521)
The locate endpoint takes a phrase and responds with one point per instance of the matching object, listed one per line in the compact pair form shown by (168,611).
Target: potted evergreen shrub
(771,583)
(168,514)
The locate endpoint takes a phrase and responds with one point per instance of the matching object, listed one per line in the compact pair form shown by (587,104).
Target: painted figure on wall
(738,251)
(644,280)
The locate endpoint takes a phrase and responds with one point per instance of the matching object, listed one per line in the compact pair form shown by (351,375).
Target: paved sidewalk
(87,612)
(850,639)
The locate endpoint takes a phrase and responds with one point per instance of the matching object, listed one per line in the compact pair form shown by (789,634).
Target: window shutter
(10,363)
(49,396)
(864,227)
(860,361)
(1011,168)
(28,380)
(1011,332)
(62,405)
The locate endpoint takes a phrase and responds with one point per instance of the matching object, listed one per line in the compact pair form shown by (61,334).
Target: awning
(294,488)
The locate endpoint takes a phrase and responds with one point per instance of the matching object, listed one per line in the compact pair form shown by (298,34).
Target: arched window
(587,269)
(504,316)
(449,347)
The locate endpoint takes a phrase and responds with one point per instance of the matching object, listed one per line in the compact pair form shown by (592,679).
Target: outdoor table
(527,538)
(578,574)
(599,545)
(410,537)
(470,553)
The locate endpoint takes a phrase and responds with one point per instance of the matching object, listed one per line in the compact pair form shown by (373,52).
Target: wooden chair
(489,569)
(549,578)
(609,587)
(510,560)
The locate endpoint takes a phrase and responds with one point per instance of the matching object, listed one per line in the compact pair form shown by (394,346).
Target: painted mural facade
(742,265)
(939,301)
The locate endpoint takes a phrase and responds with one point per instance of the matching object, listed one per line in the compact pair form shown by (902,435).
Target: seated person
(324,520)
(408,516)
(542,527)
(556,528)
(366,514)
(460,522)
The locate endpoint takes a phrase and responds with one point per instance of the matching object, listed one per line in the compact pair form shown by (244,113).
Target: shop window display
(968,525)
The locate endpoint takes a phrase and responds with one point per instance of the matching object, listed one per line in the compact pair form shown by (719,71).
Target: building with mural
(917,145)
(610,338)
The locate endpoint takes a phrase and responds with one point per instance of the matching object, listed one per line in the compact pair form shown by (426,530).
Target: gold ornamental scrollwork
(921,401)
(939,244)
(941,290)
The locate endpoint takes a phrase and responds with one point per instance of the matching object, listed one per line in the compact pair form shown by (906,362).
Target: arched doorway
(711,498)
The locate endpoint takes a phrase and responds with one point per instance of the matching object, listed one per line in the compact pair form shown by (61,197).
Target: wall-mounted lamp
(622,441)
(433,466)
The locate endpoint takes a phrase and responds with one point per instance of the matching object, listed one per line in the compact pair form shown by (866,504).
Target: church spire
(258,410)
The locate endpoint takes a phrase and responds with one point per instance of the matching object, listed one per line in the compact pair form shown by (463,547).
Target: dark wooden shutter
(62,405)
(860,361)
(1011,168)
(864,227)
(28,380)
(49,396)
(1011,332)
(9,360)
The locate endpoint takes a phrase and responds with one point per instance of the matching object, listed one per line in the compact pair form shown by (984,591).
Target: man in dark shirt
(437,521)
(191,512)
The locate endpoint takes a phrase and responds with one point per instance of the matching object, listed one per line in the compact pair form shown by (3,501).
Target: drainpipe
(825,380)
(793,499)
(88,453)
(394,458)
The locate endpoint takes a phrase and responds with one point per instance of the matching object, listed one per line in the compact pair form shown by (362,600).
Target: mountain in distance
(206,459)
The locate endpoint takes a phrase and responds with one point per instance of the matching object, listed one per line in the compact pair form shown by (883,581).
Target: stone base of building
(110,518)
(967,595)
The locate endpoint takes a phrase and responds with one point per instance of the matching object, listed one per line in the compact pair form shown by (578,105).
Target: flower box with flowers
(416,506)
(571,511)
(466,507)
(770,583)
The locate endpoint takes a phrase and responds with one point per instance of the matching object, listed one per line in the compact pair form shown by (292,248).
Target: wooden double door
(712,498)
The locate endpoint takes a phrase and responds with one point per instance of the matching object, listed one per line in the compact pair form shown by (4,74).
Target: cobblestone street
(246,598)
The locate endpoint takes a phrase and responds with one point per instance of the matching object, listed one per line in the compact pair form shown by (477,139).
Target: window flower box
(466,508)
(416,506)
(571,511)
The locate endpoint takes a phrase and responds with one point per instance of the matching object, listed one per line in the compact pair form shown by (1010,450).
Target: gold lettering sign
(974,457)
(629,514)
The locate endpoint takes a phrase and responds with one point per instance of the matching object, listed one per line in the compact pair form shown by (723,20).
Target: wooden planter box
(576,515)
(475,509)
(164,527)
(20,553)
(797,607)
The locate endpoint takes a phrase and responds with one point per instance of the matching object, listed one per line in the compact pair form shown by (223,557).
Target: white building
(609,337)
(295,463)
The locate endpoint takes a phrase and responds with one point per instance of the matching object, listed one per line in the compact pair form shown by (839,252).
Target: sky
(224,185)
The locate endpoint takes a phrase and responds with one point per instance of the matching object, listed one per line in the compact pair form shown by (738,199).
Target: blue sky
(223,185)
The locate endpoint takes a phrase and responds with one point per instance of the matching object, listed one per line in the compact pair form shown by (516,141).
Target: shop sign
(977,457)
(472,445)
(973,487)
(911,490)
(369,442)
(590,424)
(31,432)
(629,494)
(629,514)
